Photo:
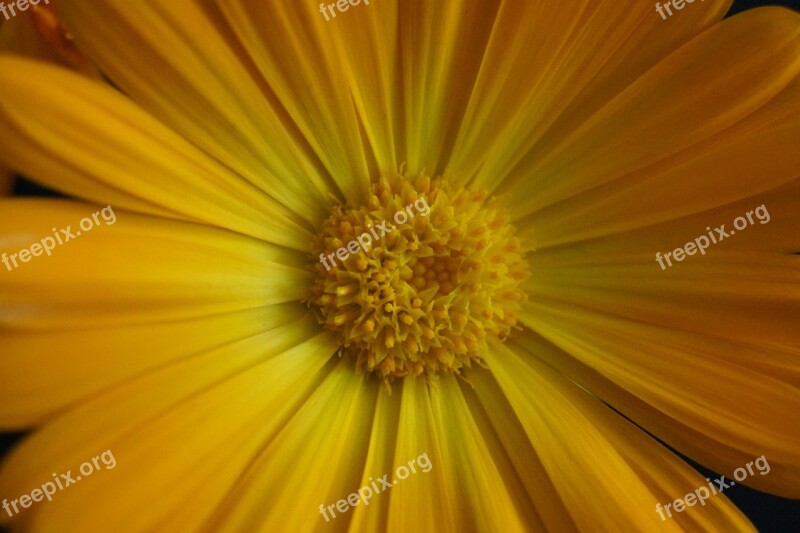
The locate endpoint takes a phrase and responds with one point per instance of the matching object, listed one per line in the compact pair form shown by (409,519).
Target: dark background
(770,514)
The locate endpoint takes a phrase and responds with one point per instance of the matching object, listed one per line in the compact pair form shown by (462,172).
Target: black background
(770,514)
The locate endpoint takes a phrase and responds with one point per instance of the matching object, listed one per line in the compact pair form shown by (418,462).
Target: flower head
(460,200)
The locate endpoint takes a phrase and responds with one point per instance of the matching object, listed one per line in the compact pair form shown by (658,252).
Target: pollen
(418,279)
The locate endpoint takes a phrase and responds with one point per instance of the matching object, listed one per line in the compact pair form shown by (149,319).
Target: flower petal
(742,162)
(430,504)
(379,459)
(551,511)
(174,59)
(38,33)
(547,68)
(306,75)
(710,84)
(489,499)
(187,432)
(91,141)
(44,372)
(316,460)
(704,293)
(365,42)
(721,402)
(441,46)
(136,270)
(609,473)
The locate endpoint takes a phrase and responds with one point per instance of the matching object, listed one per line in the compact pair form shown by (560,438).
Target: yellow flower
(243,387)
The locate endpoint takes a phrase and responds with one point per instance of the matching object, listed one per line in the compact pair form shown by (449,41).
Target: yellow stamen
(427,296)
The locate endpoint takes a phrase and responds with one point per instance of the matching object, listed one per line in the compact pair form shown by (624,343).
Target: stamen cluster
(425,297)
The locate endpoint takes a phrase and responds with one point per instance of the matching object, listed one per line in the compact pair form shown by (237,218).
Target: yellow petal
(441,46)
(704,87)
(187,432)
(91,141)
(38,33)
(549,510)
(365,42)
(738,165)
(306,75)
(749,296)
(489,498)
(175,61)
(46,371)
(134,269)
(547,68)
(432,503)
(317,459)
(718,401)
(379,459)
(609,474)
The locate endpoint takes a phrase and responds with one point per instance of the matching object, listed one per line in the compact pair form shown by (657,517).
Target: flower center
(417,280)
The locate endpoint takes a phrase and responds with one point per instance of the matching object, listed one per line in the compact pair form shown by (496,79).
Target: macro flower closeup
(406,266)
